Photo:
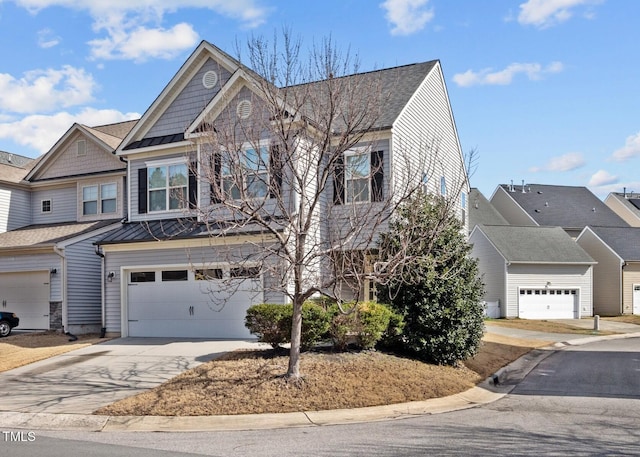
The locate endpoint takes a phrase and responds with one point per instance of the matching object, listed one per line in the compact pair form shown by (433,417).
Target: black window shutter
(142,190)
(338,181)
(193,186)
(214,185)
(377,175)
(275,171)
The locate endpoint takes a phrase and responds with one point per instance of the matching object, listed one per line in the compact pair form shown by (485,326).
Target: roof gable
(624,241)
(563,206)
(535,244)
(481,211)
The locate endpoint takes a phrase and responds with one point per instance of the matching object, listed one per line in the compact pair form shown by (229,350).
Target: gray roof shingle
(625,241)
(564,206)
(481,211)
(42,235)
(535,244)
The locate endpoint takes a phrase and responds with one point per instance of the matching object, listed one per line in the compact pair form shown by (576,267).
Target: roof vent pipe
(624,192)
(511,186)
(523,190)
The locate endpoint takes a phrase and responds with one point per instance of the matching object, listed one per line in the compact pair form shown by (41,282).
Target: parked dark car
(7,322)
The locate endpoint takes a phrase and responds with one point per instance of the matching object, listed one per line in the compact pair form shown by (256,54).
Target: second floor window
(249,172)
(357,175)
(167,187)
(99,199)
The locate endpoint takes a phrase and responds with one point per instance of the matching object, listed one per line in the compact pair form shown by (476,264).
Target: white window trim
(99,199)
(357,152)
(42,211)
(166,163)
(266,144)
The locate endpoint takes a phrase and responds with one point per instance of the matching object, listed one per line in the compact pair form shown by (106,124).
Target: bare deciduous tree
(297,152)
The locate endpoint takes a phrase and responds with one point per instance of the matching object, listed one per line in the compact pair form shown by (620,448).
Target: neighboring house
(14,194)
(50,274)
(616,277)
(572,208)
(533,272)
(626,205)
(157,262)
(482,212)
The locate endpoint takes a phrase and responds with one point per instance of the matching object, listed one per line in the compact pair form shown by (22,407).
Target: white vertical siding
(607,275)
(491,266)
(560,277)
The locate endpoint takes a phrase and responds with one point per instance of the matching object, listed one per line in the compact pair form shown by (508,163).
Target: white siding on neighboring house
(492,267)
(607,274)
(36,262)
(559,277)
(425,140)
(190,102)
(15,208)
(63,205)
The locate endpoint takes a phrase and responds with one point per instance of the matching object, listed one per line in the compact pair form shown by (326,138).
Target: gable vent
(244,109)
(210,79)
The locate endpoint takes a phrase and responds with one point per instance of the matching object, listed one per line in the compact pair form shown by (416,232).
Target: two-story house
(50,274)
(167,272)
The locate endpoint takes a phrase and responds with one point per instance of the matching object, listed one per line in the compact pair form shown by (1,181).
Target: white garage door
(27,295)
(209,303)
(548,304)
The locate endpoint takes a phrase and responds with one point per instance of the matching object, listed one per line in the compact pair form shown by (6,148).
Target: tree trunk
(296,333)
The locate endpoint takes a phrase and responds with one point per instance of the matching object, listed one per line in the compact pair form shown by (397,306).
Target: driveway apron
(81,381)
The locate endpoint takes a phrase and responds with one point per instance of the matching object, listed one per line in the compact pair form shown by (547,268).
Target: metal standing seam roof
(625,241)
(564,206)
(518,244)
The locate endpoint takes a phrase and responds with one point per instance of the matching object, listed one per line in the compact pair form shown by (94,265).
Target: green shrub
(271,323)
(364,326)
(268,322)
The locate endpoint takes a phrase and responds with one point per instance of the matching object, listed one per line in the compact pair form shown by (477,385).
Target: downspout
(624,264)
(103,329)
(63,291)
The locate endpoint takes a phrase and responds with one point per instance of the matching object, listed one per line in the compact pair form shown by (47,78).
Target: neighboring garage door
(27,295)
(548,304)
(209,303)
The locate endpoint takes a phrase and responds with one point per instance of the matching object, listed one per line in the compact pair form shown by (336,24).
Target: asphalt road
(583,400)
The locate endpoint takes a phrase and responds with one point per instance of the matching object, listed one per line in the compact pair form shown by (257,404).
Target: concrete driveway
(81,381)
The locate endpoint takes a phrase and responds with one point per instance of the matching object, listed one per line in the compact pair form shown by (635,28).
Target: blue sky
(546,91)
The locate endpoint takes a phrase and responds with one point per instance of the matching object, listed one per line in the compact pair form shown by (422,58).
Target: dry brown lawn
(545,326)
(627,318)
(26,348)
(251,382)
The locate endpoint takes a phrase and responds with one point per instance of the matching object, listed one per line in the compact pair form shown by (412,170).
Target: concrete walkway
(59,393)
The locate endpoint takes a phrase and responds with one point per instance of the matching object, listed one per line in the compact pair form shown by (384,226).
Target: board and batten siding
(37,262)
(165,258)
(630,276)
(560,276)
(425,140)
(63,205)
(15,209)
(607,274)
(492,267)
(84,284)
(190,102)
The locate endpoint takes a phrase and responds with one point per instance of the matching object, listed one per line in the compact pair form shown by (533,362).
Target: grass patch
(25,348)
(627,319)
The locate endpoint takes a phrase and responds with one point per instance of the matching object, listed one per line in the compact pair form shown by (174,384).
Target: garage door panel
(548,304)
(192,308)
(27,295)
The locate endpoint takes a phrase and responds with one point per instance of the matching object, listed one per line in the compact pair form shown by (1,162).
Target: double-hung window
(248,172)
(167,187)
(99,199)
(357,174)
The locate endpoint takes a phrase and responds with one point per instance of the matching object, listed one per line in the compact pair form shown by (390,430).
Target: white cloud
(566,162)
(125,21)
(407,16)
(630,149)
(47,38)
(143,43)
(602,178)
(546,13)
(45,90)
(41,132)
(487,76)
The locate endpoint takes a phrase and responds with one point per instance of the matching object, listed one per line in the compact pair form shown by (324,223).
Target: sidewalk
(486,392)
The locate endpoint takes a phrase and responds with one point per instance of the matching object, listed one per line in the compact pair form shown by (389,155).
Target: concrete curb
(490,390)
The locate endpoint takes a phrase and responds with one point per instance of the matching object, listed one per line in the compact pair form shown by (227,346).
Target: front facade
(533,272)
(50,274)
(174,268)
